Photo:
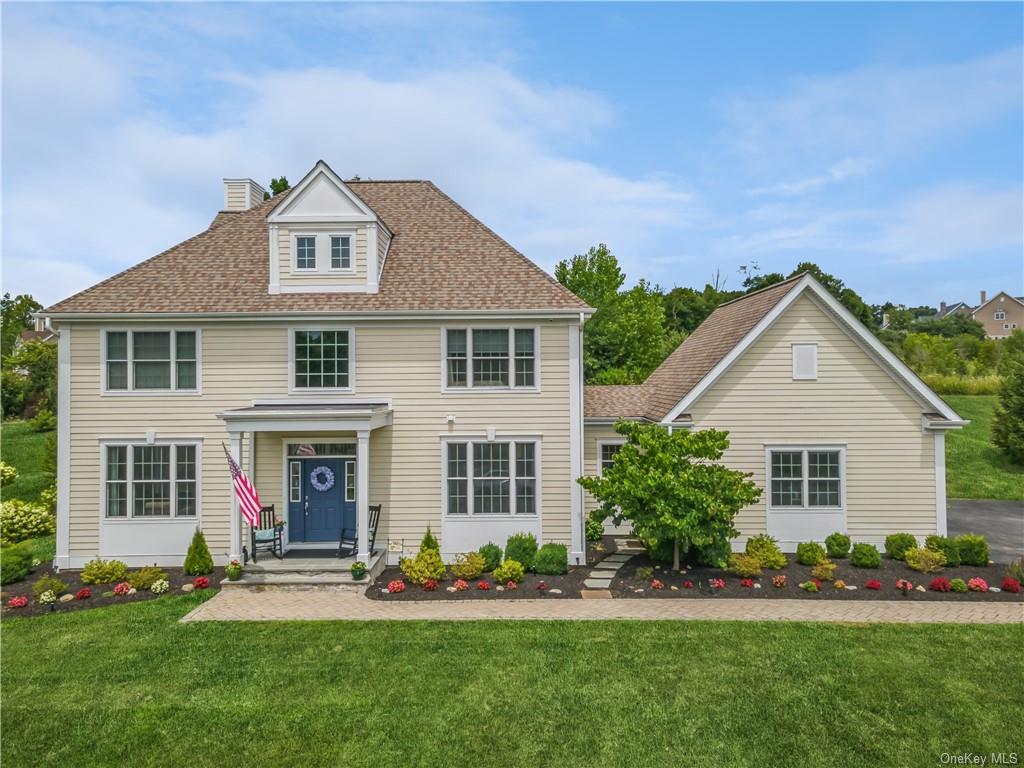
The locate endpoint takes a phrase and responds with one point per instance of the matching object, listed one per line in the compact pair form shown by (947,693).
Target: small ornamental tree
(198,560)
(1008,420)
(672,488)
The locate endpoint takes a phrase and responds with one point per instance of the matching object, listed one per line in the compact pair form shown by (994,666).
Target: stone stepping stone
(597,583)
(602,566)
(595,594)
(616,558)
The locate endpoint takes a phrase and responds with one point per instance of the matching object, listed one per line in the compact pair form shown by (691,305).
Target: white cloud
(850,168)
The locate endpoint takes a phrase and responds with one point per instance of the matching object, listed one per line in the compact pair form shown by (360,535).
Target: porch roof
(313,417)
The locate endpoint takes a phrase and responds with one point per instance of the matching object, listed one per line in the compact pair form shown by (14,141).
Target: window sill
(150,392)
(807,509)
(490,390)
(120,520)
(491,517)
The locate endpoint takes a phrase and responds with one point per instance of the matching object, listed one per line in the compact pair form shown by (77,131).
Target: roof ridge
(790,279)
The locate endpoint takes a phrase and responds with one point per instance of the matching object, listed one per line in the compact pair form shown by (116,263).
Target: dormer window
(341,252)
(305,252)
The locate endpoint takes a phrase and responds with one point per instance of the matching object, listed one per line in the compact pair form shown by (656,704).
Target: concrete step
(305,578)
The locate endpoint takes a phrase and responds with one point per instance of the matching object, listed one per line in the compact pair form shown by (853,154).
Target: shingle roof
(692,360)
(441,258)
(623,401)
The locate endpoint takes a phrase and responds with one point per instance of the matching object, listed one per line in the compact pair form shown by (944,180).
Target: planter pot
(358,575)
(234,575)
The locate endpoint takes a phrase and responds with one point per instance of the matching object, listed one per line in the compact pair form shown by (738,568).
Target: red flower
(748,583)
(716,583)
(461,585)
(657,584)
(511,585)
(904,586)
(816,582)
(396,586)
(483,584)
(542,586)
(687,585)
(1011,585)
(19,601)
(940,584)
(779,581)
(430,585)
(201,582)
(873,584)
(83,594)
(122,589)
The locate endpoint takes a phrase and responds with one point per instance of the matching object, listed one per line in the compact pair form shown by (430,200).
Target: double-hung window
(1000,314)
(138,361)
(806,478)
(341,252)
(607,455)
(321,359)
(305,252)
(151,481)
(491,478)
(504,358)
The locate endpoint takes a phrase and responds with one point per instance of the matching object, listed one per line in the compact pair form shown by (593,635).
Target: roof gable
(1001,293)
(321,196)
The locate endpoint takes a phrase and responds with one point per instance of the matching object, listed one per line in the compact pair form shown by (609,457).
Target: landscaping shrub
(426,566)
(659,551)
(469,565)
(744,565)
(958,585)
(510,570)
(940,584)
(48,499)
(837,545)
(44,421)
(8,474)
(594,529)
(20,520)
(1008,417)
(925,560)
(1015,570)
(897,544)
(159,587)
(644,572)
(144,578)
(779,581)
(492,556)
(429,541)
(716,554)
(1010,585)
(824,571)
(104,571)
(198,561)
(973,549)
(15,563)
(946,546)
(552,559)
(48,583)
(810,553)
(767,551)
(865,555)
(522,547)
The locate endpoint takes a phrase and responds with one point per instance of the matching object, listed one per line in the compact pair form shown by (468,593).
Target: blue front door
(327,501)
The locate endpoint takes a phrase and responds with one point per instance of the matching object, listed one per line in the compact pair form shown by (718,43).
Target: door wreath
(322,478)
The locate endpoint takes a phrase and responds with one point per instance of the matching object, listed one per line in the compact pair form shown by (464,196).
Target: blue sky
(882,141)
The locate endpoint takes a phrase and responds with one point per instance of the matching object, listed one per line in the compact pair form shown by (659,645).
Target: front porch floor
(310,567)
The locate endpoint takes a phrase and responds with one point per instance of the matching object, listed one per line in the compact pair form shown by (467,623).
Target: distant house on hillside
(1000,316)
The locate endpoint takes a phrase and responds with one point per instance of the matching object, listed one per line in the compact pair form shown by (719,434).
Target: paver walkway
(313,603)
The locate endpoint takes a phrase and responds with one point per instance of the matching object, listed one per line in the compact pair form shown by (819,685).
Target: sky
(885,142)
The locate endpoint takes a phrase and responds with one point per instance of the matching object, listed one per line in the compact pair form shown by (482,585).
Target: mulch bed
(176,577)
(626,584)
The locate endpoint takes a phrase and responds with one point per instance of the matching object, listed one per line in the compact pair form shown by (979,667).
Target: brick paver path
(312,603)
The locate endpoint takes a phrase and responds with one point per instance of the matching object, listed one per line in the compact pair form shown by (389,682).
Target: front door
(327,502)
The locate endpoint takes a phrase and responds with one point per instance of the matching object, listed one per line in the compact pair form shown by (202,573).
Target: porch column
(362,494)
(236,519)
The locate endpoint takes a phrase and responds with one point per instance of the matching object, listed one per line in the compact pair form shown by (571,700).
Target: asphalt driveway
(1000,522)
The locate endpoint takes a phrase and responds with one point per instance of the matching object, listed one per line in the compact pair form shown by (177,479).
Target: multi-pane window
(321,359)
(350,481)
(490,357)
(151,481)
(341,252)
(491,478)
(305,252)
(806,478)
(608,451)
(1000,314)
(295,481)
(152,360)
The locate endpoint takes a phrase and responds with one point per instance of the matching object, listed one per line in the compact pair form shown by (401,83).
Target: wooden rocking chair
(265,536)
(348,545)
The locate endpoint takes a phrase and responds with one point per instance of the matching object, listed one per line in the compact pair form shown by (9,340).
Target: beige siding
(287,276)
(1013,315)
(890,460)
(243,362)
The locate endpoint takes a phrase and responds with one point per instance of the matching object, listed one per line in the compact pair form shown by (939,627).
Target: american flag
(305,450)
(248,499)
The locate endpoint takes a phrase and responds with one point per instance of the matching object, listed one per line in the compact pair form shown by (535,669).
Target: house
(355,343)
(1001,315)
(838,431)
(956,308)
(47,337)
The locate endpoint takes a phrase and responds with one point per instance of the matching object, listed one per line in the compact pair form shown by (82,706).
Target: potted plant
(358,570)
(233,570)
(279,523)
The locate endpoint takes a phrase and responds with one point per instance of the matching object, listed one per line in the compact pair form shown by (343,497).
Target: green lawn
(127,685)
(24,450)
(976,469)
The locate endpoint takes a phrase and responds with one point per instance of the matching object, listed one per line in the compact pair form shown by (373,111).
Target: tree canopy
(15,317)
(849,298)
(277,186)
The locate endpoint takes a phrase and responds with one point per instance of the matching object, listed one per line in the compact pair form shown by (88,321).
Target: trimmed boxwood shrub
(744,565)
(198,561)
(865,555)
(946,546)
(594,529)
(510,570)
(552,559)
(492,556)
(766,550)
(810,553)
(973,549)
(897,544)
(49,583)
(522,547)
(20,520)
(144,578)
(925,560)
(15,563)
(838,545)
(104,571)
(468,566)
(426,566)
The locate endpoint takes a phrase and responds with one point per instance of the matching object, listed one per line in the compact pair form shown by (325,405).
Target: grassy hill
(25,450)
(976,469)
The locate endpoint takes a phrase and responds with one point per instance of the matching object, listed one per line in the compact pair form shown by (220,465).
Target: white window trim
(535,387)
(813,376)
(1000,314)
(322,250)
(173,518)
(470,440)
(292,389)
(600,451)
(131,391)
(804,448)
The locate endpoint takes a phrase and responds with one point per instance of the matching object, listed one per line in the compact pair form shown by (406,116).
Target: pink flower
(483,584)
(779,581)
(717,583)
(461,585)
(19,601)
(657,584)
(122,589)
(977,585)
(396,586)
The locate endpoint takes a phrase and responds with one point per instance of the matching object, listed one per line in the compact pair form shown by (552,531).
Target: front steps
(307,571)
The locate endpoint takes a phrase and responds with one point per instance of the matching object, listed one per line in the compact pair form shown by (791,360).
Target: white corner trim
(62,557)
(940,483)
(372,267)
(896,368)
(578,529)
(275,261)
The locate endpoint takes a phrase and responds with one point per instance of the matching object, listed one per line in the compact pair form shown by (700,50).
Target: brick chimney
(942,307)
(983,297)
(241,194)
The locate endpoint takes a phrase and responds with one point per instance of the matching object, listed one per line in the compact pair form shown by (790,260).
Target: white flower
(160,586)
(47,597)
(36,562)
